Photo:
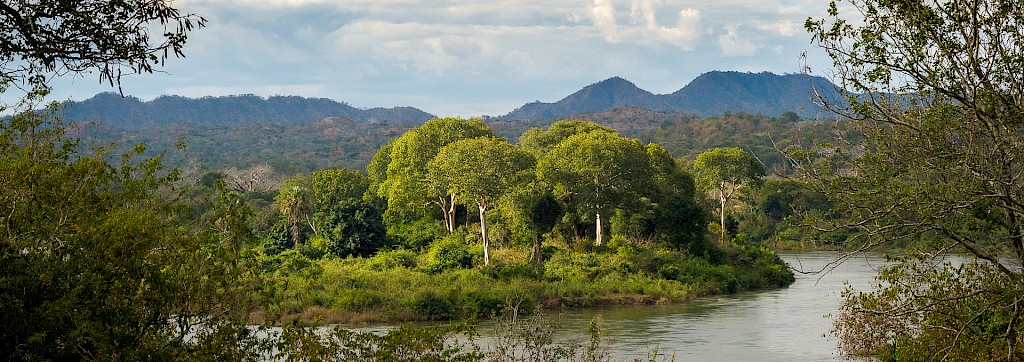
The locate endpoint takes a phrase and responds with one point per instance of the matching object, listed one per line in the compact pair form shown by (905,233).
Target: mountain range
(132,113)
(712,93)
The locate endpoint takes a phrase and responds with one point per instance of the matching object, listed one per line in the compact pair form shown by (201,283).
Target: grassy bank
(447,282)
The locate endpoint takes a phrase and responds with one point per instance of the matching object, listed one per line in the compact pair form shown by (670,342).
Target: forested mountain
(336,142)
(710,94)
(131,113)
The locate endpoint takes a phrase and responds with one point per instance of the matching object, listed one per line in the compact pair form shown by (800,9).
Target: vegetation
(936,92)
(107,254)
(723,171)
(439,261)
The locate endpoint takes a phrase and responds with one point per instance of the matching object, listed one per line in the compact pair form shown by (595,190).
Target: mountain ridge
(712,93)
(709,94)
(132,113)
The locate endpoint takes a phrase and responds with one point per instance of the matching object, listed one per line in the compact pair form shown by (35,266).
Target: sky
(468,58)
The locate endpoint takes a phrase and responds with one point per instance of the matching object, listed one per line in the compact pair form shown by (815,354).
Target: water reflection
(789,324)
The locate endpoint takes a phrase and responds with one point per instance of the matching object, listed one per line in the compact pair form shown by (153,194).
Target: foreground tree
(936,88)
(42,38)
(482,170)
(723,171)
(97,262)
(599,171)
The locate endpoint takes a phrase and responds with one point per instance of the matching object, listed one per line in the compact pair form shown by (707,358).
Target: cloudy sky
(467,58)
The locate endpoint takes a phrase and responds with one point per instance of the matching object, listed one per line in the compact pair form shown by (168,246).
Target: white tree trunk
(725,200)
(447,204)
(600,231)
(483,233)
(451,215)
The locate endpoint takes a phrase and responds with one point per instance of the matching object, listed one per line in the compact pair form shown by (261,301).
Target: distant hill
(710,94)
(131,113)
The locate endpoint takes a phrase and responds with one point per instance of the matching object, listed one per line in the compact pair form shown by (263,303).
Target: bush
(450,252)
(430,306)
(391,259)
(352,228)
(415,235)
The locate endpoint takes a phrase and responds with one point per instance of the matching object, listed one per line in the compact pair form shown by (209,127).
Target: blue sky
(468,58)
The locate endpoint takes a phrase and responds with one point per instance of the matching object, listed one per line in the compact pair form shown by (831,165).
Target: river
(789,324)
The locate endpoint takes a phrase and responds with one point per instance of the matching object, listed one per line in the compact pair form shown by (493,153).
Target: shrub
(391,259)
(415,235)
(450,252)
(430,306)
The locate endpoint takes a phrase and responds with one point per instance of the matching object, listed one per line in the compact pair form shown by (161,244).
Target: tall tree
(294,203)
(350,222)
(482,170)
(678,218)
(406,185)
(599,170)
(936,89)
(723,171)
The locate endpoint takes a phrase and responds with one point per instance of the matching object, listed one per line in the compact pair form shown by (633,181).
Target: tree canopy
(481,170)
(598,171)
(405,186)
(723,170)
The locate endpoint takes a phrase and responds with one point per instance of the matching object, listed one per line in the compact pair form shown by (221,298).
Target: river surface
(789,324)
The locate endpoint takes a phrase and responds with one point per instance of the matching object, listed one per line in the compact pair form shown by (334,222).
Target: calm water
(790,324)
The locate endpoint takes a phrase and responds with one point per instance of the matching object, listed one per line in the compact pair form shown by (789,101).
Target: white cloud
(785,28)
(604,20)
(733,45)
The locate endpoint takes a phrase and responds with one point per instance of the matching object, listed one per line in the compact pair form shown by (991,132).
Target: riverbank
(400,286)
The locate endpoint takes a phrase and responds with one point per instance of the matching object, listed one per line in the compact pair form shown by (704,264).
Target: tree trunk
(447,204)
(600,232)
(296,235)
(451,215)
(722,216)
(483,233)
(536,248)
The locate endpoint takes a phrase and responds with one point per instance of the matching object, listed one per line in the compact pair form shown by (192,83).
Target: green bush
(450,252)
(415,235)
(391,259)
(430,306)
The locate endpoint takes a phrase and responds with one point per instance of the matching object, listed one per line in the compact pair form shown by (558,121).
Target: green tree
(599,171)
(723,171)
(351,224)
(294,203)
(352,227)
(47,37)
(334,186)
(545,211)
(481,169)
(97,261)
(936,89)
(678,217)
(539,142)
(406,185)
